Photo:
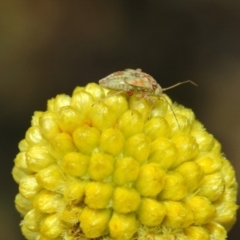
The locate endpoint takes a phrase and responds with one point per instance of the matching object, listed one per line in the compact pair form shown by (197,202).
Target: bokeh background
(49,47)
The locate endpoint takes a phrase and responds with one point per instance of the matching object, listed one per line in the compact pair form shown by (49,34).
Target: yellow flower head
(96,165)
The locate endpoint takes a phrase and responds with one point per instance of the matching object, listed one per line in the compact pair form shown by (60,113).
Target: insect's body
(132,80)
(135,80)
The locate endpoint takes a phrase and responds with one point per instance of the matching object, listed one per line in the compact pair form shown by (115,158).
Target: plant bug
(131,81)
(135,80)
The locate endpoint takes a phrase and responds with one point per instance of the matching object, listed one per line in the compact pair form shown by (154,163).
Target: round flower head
(99,165)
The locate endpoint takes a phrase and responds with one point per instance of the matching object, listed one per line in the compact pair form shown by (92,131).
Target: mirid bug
(135,80)
(131,81)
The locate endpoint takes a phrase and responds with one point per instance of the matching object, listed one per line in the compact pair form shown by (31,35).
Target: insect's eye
(154,87)
(158,90)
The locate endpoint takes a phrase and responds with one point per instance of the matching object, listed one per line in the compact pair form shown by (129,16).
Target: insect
(131,81)
(135,80)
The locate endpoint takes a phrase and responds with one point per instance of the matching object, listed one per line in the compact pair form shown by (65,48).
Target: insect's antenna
(180,83)
(171,110)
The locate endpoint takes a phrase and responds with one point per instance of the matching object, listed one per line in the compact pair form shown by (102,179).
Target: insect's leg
(111,95)
(180,83)
(129,92)
(171,110)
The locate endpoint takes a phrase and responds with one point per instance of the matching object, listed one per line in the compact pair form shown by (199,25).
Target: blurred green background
(49,47)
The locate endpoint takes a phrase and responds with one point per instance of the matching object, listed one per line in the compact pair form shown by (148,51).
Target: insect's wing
(114,81)
(142,82)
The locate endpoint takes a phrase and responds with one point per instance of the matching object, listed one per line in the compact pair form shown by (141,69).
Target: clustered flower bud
(99,165)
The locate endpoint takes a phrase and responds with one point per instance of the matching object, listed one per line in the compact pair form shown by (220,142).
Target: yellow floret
(38,157)
(138,147)
(130,123)
(75,164)
(48,124)
(94,222)
(29,187)
(123,226)
(86,138)
(203,210)
(178,215)
(48,202)
(112,141)
(130,167)
(192,173)
(98,195)
(197,233)
(60,145)
(164,152)
(125,200)
(174,187)
(107,166)
(51,226)
(151,212)
(33,219)
(71,214)
(150,180)
(74,192)
(101,166)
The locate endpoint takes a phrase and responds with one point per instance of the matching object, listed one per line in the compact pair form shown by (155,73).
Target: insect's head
(158,90)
